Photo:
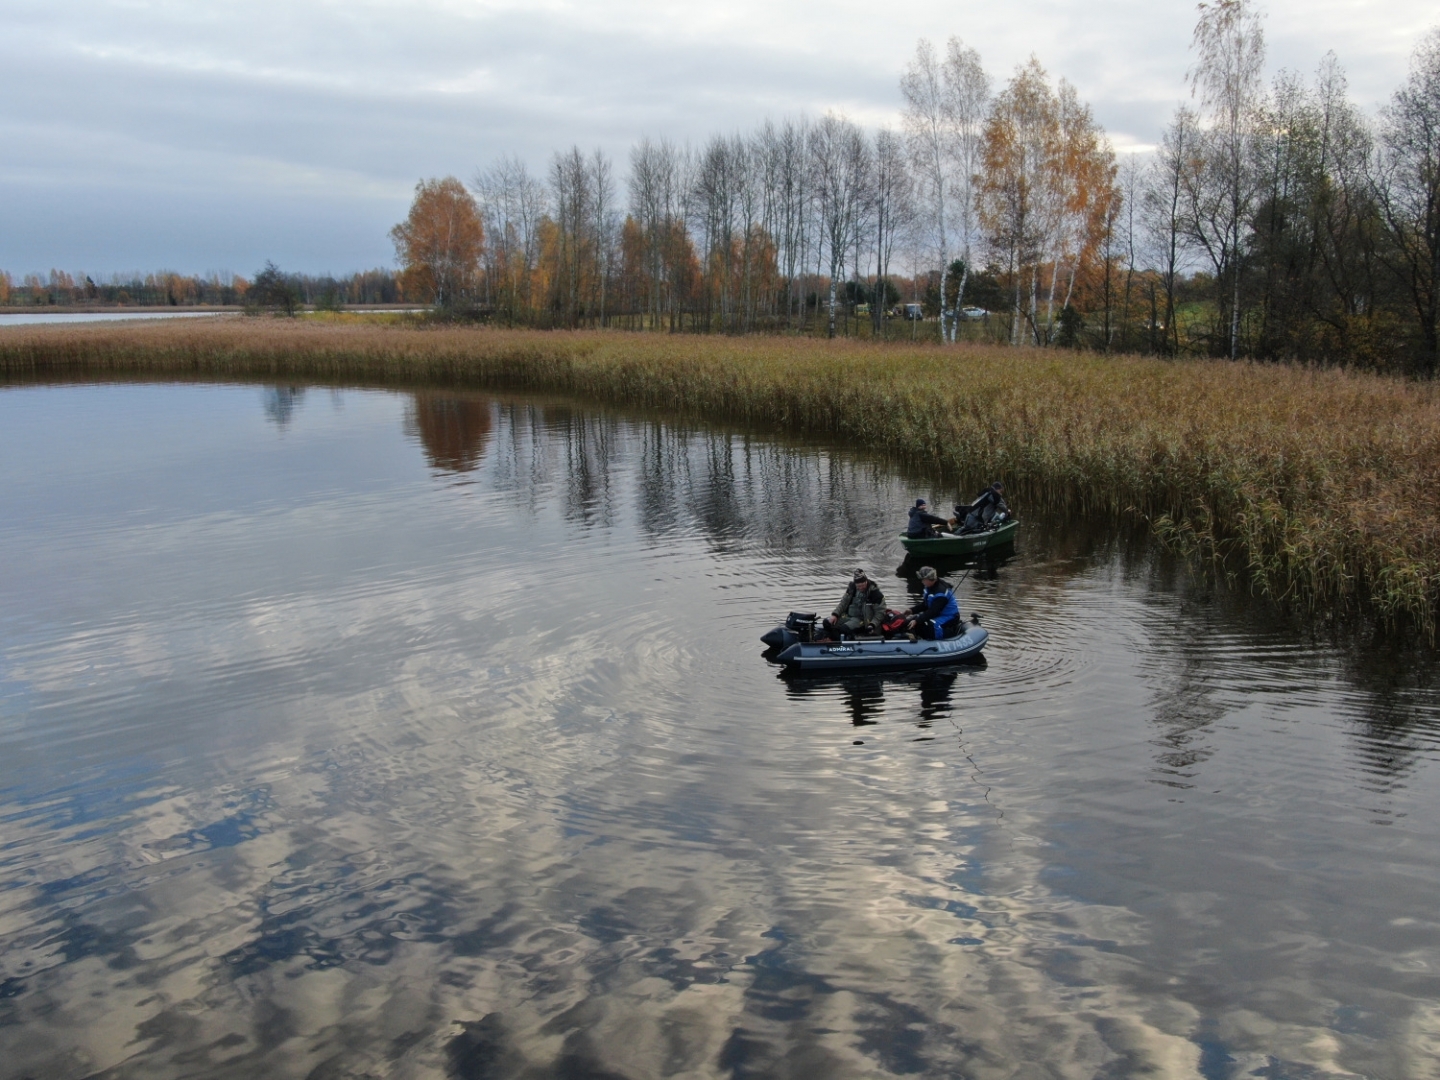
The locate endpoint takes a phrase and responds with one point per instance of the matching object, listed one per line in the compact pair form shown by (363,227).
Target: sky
(201,137)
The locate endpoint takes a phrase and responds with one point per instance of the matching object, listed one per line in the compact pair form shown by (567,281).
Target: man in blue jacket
(937,615)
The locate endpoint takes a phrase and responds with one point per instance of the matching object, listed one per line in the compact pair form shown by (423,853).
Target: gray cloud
(148,134)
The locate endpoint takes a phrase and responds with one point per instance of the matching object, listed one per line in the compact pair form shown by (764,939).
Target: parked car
(974,313)
(913,311)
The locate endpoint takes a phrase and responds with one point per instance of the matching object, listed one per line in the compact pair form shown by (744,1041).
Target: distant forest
(1272,222)
(166,289)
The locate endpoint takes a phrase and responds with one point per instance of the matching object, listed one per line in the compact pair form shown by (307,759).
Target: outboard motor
(799,626)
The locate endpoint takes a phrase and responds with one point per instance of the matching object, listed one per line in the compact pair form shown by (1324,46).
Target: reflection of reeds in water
(1322,485)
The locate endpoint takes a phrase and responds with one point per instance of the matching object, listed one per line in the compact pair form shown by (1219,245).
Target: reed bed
(1322,487)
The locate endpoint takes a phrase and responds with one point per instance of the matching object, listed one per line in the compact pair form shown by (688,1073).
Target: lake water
(359,733)
(36,316)
(54,315)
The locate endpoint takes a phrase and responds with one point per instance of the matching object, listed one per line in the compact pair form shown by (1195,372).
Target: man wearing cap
(982,511)
(860,609)
(923,523)
(937,615)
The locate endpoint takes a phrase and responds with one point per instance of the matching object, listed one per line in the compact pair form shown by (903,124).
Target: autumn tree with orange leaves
(440,243)
(1046,188)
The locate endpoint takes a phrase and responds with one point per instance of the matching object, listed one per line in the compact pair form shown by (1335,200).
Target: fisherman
(923,524)
(861,608)
(937,615)
(983,510)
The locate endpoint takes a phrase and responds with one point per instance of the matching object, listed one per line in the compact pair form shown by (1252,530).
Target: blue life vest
(951,612)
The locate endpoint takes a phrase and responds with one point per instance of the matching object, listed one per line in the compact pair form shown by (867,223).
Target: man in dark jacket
(937,615)
(982,511)
(923,523)
(861,608)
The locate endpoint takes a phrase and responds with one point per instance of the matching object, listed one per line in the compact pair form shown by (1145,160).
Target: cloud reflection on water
(431,781)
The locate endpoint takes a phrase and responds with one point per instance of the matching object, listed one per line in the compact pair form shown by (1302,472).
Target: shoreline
(1319,486)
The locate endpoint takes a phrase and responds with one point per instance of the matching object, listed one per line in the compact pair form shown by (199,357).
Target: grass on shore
(1323,486)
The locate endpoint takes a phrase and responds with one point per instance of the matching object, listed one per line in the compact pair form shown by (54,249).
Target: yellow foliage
(439,244)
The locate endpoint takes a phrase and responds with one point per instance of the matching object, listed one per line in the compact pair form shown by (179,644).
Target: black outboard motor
(799,626)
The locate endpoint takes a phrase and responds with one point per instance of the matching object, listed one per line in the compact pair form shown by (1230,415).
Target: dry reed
(1323,484)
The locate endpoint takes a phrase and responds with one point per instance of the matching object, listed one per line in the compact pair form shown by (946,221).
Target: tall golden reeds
(1323,484)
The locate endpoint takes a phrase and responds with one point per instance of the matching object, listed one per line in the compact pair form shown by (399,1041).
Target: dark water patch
(479,1051)
(343,927)
(79,940)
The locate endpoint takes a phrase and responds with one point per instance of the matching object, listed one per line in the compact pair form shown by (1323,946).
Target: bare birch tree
(966,105)
(602,226)
(1229,61)
(840,163)
(664,206)
(651,176)
(1409,191)
(944,116)
(1343,212)
(1172,176)
(719,174)
(1132,181)
(796,201)
(892,190)
(928,135)
(572,182)
(512,202)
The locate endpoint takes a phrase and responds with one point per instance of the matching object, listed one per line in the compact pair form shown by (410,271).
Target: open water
(360,733)
(75,318)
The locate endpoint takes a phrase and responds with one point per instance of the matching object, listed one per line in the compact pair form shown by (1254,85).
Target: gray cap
(927,573)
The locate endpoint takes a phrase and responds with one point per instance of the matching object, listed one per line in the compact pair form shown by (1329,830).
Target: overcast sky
(195,136)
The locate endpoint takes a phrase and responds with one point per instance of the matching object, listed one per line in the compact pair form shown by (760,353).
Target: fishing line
(960,738)
(979,772)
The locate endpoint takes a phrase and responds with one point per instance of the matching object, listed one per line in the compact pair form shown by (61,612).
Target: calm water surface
(52,315)
(350,733)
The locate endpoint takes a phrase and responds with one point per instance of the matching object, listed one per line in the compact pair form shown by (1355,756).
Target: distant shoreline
(60,316)
(95,309)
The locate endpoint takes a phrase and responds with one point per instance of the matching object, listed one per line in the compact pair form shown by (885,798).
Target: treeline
(166,289)
(1316,229)
(1272,222)
(981,202)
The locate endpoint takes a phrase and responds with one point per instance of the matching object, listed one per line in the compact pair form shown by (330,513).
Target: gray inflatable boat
(872,654)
